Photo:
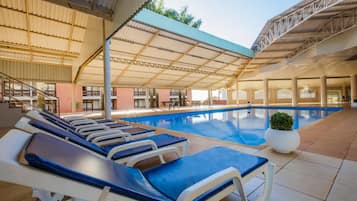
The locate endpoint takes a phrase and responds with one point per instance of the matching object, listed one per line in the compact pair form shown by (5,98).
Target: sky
(239,21)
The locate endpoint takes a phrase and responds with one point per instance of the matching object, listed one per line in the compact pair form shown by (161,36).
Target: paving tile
(277,158)
(320,159)
(252,185)
(348,173)
(313,186)
(341,192)
(281,193)
(312,169)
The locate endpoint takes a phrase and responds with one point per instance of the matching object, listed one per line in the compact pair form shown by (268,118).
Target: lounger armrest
(83,129)
(130,146)
(111,136)
(73,118)
(213,181)
(83,121)
(140,157)
(96,134)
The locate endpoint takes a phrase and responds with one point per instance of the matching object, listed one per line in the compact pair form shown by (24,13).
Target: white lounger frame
(83,130)
(43,183)
(23,124)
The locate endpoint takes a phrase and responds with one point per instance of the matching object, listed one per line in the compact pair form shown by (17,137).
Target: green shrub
(281,121)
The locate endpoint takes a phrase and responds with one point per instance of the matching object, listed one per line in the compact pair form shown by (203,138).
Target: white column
(210,97)
(237,92)
(107,81)
(323,89)
(353,88)
(266,92)
(147,97)
(294,90)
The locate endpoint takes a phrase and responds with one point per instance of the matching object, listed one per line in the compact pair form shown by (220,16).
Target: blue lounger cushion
(173,177)
(77,139)
(66,125)
(161,140)
(61,158)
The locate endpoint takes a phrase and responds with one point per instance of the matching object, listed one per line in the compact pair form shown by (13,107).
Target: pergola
(154,51)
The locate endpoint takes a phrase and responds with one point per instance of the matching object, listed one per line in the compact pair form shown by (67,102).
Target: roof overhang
(155,51)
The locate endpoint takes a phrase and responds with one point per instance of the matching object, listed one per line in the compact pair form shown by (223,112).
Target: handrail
(24,83)
(11,80)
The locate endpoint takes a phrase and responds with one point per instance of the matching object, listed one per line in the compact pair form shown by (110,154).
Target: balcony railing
(139,93)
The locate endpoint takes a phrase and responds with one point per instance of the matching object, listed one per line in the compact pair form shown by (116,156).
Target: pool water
(242,125)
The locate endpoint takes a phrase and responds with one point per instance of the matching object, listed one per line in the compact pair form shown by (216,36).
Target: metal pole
(107,81)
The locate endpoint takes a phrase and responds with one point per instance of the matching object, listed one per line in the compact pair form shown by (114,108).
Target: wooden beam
(172,63)
(138,54)
(40,16)
(43,34)
(28,28)
(200,66)
(232,62)
(70,37)
(40,50)
(211,85)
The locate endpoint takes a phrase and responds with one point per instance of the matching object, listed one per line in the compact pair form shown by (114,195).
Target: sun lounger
(64,169)
(92,131)
(121,151)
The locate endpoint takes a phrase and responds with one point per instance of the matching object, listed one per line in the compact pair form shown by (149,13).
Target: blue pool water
(243,125)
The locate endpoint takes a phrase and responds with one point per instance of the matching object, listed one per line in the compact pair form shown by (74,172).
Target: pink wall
(125,98)
(64,92)
(164,95)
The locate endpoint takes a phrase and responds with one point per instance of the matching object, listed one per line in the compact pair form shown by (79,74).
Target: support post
(323,89)
(147,97)
(266,92)
(107,81)
(294,95)
(237,92)
(354,88)
(209,96)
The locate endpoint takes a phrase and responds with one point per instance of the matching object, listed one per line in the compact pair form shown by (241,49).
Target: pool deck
(324,167)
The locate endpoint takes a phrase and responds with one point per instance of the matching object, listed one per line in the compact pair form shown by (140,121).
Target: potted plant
(281,136)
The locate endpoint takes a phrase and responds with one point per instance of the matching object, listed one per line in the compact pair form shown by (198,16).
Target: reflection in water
(244,126)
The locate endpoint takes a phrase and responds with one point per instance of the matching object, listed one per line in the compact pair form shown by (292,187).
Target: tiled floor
(324,167)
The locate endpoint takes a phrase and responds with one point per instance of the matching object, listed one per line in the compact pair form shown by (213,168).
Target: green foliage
(181,16)
(281,121)
(41,103)
(78,105)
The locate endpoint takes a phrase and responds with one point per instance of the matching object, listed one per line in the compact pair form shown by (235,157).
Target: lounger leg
(268,184)
(238,184)
(46,196)
(185,149)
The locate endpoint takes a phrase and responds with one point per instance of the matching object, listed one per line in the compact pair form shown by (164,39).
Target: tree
(183,16)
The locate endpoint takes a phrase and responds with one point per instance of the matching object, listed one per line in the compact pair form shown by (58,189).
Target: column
(266,92)
(237,92)
(107,81)
(294,90)
(229,96)
(209,96)
(323,93)
(147,97)
(354,88)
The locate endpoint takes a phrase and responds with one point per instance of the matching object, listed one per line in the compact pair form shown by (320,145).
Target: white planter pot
(282,141)
(354,104)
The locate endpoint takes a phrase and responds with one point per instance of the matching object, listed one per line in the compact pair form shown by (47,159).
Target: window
(258,94)
(307,93)
(242,95)
(284,94)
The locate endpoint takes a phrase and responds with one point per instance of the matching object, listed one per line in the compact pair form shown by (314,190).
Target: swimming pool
(240,125)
